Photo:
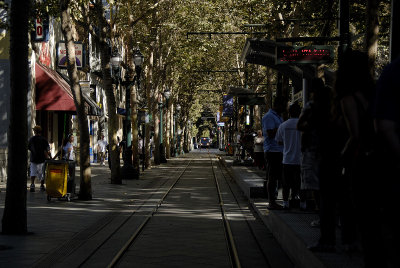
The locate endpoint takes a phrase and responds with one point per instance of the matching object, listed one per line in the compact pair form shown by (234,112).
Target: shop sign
(41,33)
(62,55)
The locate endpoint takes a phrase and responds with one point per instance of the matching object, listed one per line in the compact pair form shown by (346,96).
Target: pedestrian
(152,146)
(336,187)
(259,151)
(248,144)
(355,98)
(309,119)
(288,136)
(69,155)
(238,137)
(386,113)
(272,150)
(122,147)
(40,151)
(140,148)
(102,149)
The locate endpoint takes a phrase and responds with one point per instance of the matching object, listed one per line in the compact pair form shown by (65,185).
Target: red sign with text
(304,55)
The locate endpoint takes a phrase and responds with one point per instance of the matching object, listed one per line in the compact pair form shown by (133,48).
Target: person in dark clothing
(272,150)
(122,147)
(40,151)
(386,114)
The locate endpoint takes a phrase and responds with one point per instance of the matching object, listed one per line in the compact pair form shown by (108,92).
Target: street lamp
(166,94)
(178,109)
(115,61)
(128,170)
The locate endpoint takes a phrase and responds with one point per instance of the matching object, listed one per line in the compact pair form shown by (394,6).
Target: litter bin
(58,183)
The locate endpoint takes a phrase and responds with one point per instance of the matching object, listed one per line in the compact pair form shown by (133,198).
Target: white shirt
(102,146)
(290,136)
(71,153)
(259,144)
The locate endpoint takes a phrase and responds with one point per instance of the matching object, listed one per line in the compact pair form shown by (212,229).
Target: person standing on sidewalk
(310,118)
(272,150)
(69,155)
(288,136)
(40,151)
(386,114)
(102,149)
(259,150)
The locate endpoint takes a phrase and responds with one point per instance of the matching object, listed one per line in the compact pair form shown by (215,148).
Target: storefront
(55,107)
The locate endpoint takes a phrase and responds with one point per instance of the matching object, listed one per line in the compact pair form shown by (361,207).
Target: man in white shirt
(290,138)
(102,149)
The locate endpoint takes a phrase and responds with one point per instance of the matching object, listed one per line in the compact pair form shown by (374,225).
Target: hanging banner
(227,105)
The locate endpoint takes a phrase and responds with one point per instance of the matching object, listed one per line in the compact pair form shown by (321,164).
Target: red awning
(52,92)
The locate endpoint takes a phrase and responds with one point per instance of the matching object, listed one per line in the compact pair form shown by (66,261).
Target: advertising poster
(62,55)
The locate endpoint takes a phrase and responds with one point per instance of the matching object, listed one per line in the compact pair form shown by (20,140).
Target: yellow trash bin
(56,179)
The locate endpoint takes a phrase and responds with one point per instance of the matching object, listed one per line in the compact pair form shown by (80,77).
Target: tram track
(228,182)
(220,174)
(123,231)
(69,251)
(233,254)
(126,246)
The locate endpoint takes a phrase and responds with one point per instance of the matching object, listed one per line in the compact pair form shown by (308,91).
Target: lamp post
(128,171)
(166,94)
(178,108)
(142,120)
(115,62)
(189,136)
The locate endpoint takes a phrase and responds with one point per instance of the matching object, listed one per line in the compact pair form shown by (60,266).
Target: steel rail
(228,231)
(119,227)
(237,201)
(133,237)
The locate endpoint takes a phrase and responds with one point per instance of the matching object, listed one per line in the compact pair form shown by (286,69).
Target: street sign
(304,55)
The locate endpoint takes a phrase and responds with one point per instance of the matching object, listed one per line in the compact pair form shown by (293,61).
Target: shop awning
(53,93)
(247,96)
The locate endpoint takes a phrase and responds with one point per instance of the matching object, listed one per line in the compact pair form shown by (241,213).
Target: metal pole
(144,140)
(162,151)
(128,171)
(128,127)
(173,137)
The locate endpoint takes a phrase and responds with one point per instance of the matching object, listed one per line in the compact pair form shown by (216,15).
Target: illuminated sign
(304,55)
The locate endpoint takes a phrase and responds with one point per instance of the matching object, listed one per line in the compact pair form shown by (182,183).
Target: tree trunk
(15,215)
(110,99)
(372,34)
(85,192)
